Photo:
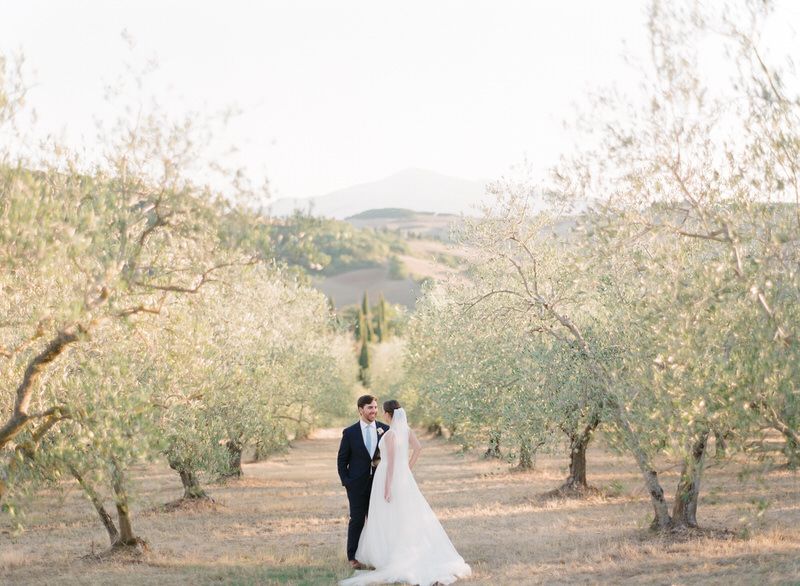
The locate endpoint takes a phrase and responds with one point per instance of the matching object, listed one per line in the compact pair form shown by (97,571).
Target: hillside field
(430,255)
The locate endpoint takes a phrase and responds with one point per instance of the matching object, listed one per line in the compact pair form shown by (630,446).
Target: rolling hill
(389,251)
(416,189)
(426,254)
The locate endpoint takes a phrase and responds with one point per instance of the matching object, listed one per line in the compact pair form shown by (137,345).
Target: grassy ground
(348,288)
(285,523)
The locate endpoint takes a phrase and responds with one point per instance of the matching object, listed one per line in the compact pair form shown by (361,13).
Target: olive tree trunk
(191,485)
(792,452)
(234,459)
(684,513)
(126,537)
(662,520)
(720,444)
(578,444)
(436,428)
(792,447)
(105,518)
(493,450)
(782,424)
(526,453)
(577,465)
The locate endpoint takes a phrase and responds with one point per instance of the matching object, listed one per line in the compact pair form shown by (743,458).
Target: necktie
(368,439)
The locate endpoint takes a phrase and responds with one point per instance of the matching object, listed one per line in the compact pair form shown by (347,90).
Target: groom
(358,457)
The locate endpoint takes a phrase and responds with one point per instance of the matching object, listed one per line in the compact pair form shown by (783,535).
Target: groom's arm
(343,458)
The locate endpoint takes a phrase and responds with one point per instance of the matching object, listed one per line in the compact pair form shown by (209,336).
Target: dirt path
(285,521)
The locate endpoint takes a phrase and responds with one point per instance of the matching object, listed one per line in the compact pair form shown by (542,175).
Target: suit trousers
(358,497)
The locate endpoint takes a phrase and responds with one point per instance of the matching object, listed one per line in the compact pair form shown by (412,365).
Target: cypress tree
(382,326)
(365,304)
(361,327)
(379,333)
(367,318)
(363,364)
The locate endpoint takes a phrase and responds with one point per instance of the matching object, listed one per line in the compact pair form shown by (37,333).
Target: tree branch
(205,278)
(20,417)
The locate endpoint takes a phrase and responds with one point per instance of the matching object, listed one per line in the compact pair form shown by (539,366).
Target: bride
(402,539)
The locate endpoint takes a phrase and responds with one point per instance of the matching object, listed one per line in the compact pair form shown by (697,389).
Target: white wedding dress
(402,539)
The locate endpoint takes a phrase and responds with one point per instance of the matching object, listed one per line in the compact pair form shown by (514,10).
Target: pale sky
(336,93)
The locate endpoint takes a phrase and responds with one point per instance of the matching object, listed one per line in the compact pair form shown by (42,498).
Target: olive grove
(142,317)
(650,288)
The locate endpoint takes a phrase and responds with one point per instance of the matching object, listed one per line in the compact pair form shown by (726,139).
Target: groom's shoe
(357,565)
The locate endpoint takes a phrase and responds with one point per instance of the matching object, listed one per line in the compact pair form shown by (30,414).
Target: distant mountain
(415,189)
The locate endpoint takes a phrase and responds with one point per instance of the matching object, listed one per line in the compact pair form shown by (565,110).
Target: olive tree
(87,250)
(488,375)
(696,181)
(250,362)
(110,424)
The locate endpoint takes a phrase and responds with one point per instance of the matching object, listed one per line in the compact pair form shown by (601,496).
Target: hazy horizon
(333,95)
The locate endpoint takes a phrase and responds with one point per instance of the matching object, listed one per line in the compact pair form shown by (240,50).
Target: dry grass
(285,523)
(348,288)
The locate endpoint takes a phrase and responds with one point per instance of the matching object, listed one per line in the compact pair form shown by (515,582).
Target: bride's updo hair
(390,405)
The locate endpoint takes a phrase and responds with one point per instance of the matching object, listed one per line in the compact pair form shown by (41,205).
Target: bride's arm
(415,446)
(389,457)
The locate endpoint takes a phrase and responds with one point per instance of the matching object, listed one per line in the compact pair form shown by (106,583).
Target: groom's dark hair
(365,400)
(390,405)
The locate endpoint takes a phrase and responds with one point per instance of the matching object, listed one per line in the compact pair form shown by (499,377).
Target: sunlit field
(284,522)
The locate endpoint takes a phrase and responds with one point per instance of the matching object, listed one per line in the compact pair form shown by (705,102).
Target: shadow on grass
(705,568)
(269,576)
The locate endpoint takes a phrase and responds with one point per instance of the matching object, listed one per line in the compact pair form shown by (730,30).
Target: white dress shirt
(369,428)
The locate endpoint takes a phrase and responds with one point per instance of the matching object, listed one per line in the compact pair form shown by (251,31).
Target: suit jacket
(354,462)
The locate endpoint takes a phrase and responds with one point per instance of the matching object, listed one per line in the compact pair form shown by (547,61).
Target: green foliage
(397,270)
(364,364)
(298,575)
(482,374)
(330,247)
(386,320)
(366,330)
(387,374)
(381,325)
(259,368)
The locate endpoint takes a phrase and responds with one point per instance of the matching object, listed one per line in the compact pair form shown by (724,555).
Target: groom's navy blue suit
(356,472)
